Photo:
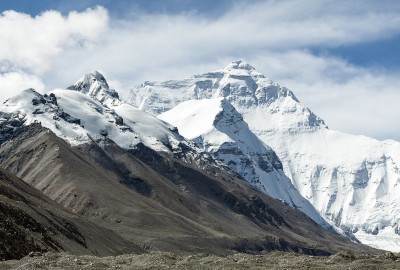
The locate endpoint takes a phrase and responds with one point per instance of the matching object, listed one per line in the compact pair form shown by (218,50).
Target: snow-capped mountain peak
(239,64)
(239,83)
(242,81)
(95,85)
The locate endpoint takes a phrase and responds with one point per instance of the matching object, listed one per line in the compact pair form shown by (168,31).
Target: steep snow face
(78,117)
(217,128)
(352,180)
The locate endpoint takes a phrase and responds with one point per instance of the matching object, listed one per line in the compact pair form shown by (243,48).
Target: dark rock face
(67,117)
(38,111)
(52,99)
(104,132)
(270,159)
(9,124)
(15,243)
(49,99)
(138,185)
(264,164)
(119,121)
(37,101)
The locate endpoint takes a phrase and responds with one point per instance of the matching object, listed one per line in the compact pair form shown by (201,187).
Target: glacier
(351,180)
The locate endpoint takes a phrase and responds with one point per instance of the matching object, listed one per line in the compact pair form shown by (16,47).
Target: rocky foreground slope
(31,222)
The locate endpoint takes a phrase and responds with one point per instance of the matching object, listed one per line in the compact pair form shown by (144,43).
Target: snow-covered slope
(352,180)
(89,110)
(220,130)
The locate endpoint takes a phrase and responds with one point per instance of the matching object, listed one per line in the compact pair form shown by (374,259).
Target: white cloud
(290,24)
(32,42)
(12,83)
(271,35)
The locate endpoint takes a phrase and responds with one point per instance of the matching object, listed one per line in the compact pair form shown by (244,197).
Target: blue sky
(121,7)
(378,53)
(341,58)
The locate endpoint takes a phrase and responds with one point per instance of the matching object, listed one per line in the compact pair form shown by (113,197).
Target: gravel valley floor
(159,260)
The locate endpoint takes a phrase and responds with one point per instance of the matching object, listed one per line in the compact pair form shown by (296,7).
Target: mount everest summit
(351,180)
